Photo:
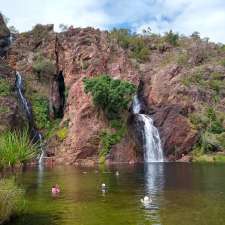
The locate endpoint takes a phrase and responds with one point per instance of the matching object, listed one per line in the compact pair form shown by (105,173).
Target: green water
(182,194)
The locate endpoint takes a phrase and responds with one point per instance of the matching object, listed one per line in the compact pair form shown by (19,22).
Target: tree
(147,31)
(112,96)
(63,27)
(13,30)
(195,35)
(171,37)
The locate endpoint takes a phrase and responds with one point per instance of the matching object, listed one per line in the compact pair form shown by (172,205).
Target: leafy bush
(16,148)
(39,32)
(208,120)
(52,129)
(41,111)
(213,82)
(195,35)
(112,96)
(196,78)
(135,43)
(210,123)
(63,27)
(109,138)
(11,199)
(5,87)
(122,36)
(62,133)
(43,66)
(172,38)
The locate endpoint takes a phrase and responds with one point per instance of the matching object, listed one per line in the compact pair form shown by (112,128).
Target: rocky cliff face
(4,37)
(78,53)
(88,52)
(10,116)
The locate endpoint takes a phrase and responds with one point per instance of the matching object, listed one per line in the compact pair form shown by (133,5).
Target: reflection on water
(179,193)
(154,178)
(154,183)
(40,174)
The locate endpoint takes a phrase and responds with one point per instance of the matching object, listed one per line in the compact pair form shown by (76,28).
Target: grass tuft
(12,201)
(16,148)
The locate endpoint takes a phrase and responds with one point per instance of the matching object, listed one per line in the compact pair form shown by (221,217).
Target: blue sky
(183,16)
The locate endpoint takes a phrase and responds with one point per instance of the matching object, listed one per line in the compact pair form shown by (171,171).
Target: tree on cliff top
(112,96)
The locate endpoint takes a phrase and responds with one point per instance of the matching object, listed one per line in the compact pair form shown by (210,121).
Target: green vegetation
(4,109)
(213,81)
(43,66)
(172,38)
(182,59)
(109,138)
(39,32)
(112,96)
(5,87)
(63,27)
(211,125)
(13,30)
(135,43)
(16,148)
(199,156)
(12,201)
(41,111)
(222,62)
(195,35)
(62,133)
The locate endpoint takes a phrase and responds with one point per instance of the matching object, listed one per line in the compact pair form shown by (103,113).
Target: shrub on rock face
(5,88)
(41,111)
(210,123)
(43,66)
(40,32)
(112,96)
(62,133)
(172,38)
(135,43)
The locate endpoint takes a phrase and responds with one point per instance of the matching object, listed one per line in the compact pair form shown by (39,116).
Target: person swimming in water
(55,189)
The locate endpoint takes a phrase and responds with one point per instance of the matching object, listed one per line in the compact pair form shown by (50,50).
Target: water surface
(182,194)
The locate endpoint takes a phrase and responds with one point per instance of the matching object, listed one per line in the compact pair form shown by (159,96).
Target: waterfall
(34,133)
(40,160)
(152,144)
(22,99)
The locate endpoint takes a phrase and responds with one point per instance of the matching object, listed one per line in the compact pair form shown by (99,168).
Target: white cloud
(183,16)
(206,17)
(24,14)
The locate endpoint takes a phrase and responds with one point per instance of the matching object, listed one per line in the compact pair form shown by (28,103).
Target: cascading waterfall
(152,144)
(35,135)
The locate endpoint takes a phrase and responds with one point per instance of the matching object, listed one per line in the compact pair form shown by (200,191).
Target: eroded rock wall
(89,52)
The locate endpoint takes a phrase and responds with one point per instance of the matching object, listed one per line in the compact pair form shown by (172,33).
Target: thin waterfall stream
(152,144)
(27,109)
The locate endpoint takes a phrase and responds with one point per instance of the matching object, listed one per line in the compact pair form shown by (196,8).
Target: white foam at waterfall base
(152,144)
